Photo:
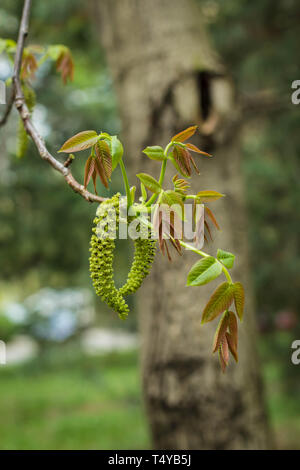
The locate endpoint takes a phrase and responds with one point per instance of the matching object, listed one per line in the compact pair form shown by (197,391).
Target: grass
(79,402)
(64,400)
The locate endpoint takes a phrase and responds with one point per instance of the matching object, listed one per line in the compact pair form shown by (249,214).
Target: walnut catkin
(102,255)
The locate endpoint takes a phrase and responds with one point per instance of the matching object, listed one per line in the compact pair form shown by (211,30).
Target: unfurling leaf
(104,155)
(220,331)
(143,192)
(29,65)
(65,64)
(181,161)
(174,200)
(184,135)
(220,300)
(132,193)
(193,148)
(155,153)
(180,185)
(232,346)
(149,182)
(81,141)
(204,271)
(208,196)
(226,258)
(116,151)
(232,336)
(99,169)
(224,353)
(239,299)
(88,170)
(212,217)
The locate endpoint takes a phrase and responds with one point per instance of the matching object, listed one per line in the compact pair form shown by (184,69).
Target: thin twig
(8,109)
(25,115)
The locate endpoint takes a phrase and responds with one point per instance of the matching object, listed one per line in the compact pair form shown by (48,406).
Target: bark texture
(167,76)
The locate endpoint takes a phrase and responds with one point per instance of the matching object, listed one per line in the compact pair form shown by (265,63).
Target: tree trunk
(167,77)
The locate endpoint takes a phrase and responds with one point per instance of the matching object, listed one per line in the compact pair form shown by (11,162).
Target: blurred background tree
(45,228)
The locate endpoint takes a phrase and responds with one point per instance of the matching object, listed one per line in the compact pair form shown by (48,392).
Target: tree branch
(8,109)
(25,115)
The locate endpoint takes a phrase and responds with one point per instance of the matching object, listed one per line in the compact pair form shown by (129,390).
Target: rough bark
(167,76)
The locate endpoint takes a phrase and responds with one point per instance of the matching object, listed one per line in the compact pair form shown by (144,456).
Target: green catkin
(101,260)
(22,137)
(141,266)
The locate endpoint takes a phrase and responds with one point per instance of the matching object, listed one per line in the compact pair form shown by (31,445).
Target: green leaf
(239,299)
(172,198)
(149,182)
(132,193)
(226,258)
(155,153)
(81,141)
(220,300)
(208,196)
(116,151)
(204,271)
(144,192)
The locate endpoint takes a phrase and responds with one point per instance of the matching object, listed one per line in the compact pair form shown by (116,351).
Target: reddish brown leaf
(212,217)
(193,148)
(94,178)
(103,154)
(220,331)
(224,350)
(232,346)
(194,164)
(182,161)
(208,229)
(99,168)
(88,170)
(65,65)
(184,135)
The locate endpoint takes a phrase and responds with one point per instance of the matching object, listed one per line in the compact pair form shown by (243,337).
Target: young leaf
(103,154)
(144,192)
(226,258)
(239,299)
(155,153)
(220,331)
(204,271)
(99,168)
(212,217)
(149,182)
(173,199)
(88,170)
(181,161)
(220,300)
(232,346)
(208,196)
(193,148)
(232,336)
(132,193)
(224,350)
(184,135)
(81,141)
(116,151)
